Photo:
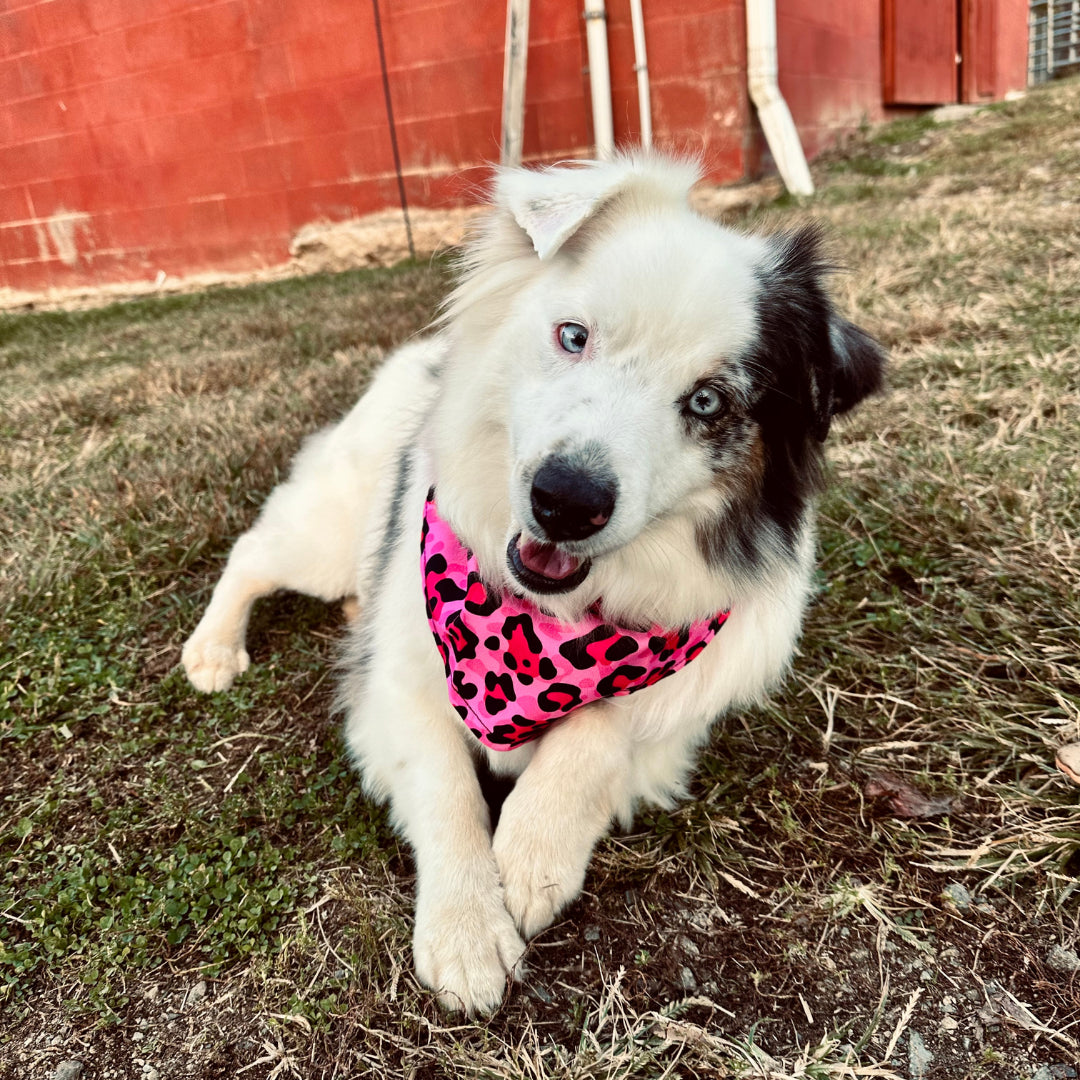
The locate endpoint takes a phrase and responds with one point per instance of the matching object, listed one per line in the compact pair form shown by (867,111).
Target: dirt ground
(874,875)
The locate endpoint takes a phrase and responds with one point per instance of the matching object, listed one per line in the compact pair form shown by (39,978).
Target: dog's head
(655,375)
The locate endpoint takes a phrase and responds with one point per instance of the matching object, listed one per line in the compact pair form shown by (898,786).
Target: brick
(18,33)
(100,57)
(199,175)
(250,216)
(427,34)
(281,20)
(24,242)
(14,204)
(272,72)
(211,30)
(236,124)
(314,110)
(204,221)
(553,20)
(62,21)
(318,58)
(335,202)
(197,84)
(556,71)
(439,89)
(154,44)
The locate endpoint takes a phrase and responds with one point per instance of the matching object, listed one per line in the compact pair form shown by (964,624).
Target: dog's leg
(562,804)
(411,748)
(304,540)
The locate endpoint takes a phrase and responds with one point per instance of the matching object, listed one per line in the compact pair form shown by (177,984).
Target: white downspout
(599,78)
(641,66)
(773,112)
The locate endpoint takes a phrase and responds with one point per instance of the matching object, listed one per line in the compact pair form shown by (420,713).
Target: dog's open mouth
(545,568)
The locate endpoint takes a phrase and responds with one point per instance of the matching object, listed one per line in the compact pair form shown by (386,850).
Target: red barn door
(920,52)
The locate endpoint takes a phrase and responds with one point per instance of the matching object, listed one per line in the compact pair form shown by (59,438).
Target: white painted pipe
(775,117)
(641,66)
(599,78)
(514,62)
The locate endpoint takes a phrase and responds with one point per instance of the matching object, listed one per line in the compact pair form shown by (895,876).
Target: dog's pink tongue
(547,560)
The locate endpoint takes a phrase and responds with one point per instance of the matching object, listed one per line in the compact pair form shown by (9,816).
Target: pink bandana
(512,669)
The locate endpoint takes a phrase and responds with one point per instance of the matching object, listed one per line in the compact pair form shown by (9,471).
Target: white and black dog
(594,484)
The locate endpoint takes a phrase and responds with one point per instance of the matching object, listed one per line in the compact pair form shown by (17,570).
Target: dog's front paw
(541,871)
(212,665)
(464,950)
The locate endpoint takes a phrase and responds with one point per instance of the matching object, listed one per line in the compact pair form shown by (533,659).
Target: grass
(196,884)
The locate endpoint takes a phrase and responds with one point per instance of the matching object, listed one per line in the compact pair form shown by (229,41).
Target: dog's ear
(857,367)
(841,363)
(552,204)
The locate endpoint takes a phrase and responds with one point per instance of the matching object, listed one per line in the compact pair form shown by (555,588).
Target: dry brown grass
(883,859)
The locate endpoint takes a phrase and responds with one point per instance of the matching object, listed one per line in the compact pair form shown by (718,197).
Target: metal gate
(1054,39)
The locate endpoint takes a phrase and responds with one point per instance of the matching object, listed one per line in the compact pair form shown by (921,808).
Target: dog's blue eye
(706,401)
(572,336)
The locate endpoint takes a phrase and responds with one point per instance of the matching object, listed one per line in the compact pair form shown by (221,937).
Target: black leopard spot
(504,735)
(492,643)
(448,590)
(435,565)
(462,640)
(620,679)
(559,697)
(664,645)
(500,691)
(467,690)
(479,598)
(604,645)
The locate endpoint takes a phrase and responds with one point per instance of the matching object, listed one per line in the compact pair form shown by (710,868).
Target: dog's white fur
(473,410)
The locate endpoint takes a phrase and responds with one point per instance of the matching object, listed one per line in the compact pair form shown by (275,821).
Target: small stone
(137,1036)
(592,933)
(1042,1073)
(1062,959)
(196,993)
(919,1058)
(150,1073)
(1067,760)
(68,1070)
(688,980)
(956,894)
(689,946)
(948,1024)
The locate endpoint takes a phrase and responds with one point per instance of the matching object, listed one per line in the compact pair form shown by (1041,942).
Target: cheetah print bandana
(511,669)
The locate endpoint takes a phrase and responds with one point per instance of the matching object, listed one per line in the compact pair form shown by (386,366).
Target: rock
(687,980)
(919,1058)
(592,933)
(1042,1073)
(689,946)
(150,1073)
(1067,760)
(956,894)
(1062,959)
(68,1070)
(196,993)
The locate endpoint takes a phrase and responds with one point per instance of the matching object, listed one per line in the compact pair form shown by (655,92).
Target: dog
(578,519)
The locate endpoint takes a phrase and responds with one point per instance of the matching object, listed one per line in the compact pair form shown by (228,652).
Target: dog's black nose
(569,502)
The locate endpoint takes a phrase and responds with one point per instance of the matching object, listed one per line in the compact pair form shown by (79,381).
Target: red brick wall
(830,66)
(140,136)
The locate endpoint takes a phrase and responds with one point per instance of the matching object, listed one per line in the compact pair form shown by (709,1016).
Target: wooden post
(517,51)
